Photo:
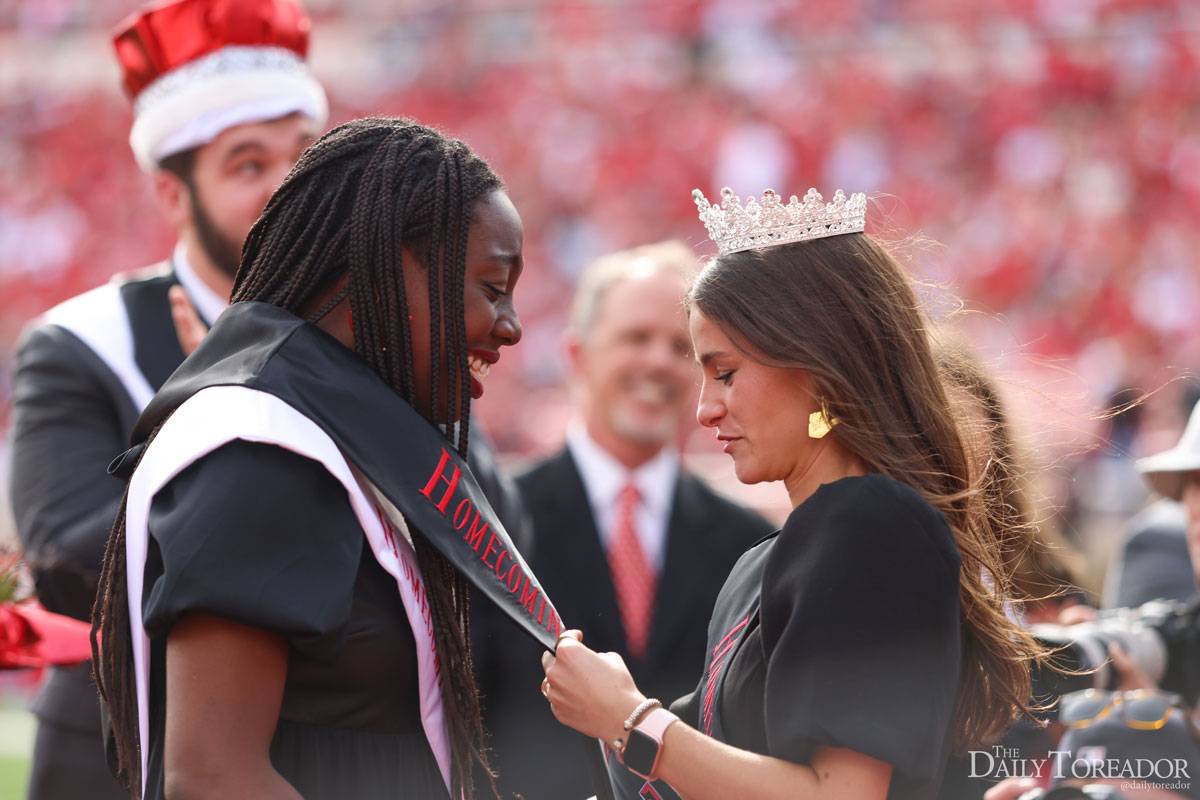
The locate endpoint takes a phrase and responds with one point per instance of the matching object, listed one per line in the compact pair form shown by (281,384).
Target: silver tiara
(767,222)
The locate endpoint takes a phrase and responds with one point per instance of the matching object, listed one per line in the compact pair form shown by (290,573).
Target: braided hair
(356,199)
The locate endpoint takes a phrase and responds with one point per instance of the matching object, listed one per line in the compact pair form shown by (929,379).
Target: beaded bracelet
(634,718)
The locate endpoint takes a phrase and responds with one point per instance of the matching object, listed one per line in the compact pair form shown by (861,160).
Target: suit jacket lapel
(580,562)
(156,344)
(684,568)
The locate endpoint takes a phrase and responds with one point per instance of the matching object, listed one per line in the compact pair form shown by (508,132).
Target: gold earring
(820,423)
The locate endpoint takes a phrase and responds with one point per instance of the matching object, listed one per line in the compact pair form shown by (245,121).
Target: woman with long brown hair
(851,653)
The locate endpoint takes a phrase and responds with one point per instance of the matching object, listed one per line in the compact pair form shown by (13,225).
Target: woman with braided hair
(293,632)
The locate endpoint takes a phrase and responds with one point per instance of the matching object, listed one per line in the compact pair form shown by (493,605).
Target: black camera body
(1162,637)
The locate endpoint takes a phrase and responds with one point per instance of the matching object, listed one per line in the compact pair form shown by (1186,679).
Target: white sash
(220,414)
(99,319)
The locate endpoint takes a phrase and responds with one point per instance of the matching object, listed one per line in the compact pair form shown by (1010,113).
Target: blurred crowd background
(1036,162)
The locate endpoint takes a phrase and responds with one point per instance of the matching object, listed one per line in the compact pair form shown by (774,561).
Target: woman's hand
(594,694)
(589,691)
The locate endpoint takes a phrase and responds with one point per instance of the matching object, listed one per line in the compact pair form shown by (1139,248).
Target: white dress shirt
(208,303)
(604,477)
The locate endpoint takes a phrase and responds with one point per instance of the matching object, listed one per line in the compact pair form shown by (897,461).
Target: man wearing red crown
(223,105)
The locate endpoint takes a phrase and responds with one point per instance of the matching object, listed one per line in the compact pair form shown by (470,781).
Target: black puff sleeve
(259,535)
(860,627)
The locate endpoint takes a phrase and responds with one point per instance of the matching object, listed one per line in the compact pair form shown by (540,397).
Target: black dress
(262,536)
(841,630)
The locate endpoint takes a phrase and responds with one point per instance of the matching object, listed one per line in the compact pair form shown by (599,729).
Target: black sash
(262,347)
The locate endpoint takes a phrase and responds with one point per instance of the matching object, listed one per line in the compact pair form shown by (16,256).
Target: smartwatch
(643,747)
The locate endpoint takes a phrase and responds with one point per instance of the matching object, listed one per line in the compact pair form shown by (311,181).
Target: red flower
(31,636)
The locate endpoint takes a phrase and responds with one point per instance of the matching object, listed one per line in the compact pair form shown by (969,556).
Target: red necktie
(633,578)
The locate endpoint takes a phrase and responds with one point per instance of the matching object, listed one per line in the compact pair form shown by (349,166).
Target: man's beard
(224,253)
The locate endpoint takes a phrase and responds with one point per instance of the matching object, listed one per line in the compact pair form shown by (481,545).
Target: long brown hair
(842,309)
(355,198)
(1043,566)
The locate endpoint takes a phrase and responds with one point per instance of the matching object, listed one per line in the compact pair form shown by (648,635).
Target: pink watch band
(655,726)
(655,723)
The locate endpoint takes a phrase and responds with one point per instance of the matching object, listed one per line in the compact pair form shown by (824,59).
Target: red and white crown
(195,68)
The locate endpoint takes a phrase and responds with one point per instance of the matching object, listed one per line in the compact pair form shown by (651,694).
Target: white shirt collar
(208,303)
(605,477)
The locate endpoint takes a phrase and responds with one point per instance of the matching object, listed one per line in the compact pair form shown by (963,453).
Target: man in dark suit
(223,107)
(631,548)
(1152,561)
(1157,559)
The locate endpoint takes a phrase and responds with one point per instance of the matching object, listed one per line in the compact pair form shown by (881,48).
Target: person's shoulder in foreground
(870,516)
(860,625)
